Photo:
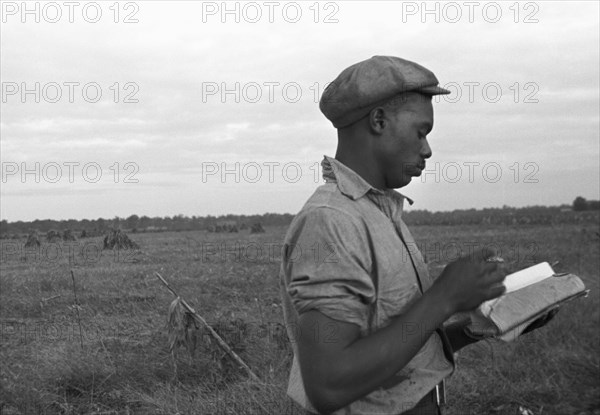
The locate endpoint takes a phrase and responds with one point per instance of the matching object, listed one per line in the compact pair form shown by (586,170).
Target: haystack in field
(68,235)
(257,228)
(224,227)
(52,236)
(118,239)
(33,240)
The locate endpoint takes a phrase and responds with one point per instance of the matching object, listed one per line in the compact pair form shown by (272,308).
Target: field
(108,353)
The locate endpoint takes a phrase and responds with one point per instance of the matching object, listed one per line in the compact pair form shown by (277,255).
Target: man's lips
(415,169)
(419,169)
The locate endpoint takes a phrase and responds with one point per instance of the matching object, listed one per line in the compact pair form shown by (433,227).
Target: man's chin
(401,183)
(413,173)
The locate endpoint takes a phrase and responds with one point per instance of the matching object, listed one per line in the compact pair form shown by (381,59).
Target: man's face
(403,147)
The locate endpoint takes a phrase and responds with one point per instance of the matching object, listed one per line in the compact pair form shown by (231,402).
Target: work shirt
(349,255)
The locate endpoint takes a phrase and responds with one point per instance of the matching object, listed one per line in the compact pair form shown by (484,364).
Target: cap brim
(433,90)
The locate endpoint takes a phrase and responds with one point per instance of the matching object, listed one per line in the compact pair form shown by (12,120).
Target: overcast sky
(182,107)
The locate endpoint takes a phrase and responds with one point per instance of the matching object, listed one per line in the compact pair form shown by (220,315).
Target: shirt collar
(351,184)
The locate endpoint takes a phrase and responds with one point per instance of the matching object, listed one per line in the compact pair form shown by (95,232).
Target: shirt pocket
(398,286)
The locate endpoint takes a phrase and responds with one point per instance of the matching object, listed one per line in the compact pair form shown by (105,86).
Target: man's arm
(459,339)
(339,367)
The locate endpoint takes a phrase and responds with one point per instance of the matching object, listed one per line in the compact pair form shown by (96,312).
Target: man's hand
(470,280)
(542,321)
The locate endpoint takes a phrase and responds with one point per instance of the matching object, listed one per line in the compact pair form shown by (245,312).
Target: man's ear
(377,120)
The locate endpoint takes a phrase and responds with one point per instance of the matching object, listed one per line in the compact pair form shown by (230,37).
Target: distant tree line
(580,204)
(581,211)
(135,223)
(533,215)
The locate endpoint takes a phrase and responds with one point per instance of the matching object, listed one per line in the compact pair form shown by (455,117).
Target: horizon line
(406,209)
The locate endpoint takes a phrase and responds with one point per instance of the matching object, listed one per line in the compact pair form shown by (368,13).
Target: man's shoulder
(328,213)
(327,201)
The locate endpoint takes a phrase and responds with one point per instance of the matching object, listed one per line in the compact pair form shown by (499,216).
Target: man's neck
(362,166)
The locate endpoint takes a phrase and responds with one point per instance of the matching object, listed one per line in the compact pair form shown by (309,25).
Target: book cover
(530,293)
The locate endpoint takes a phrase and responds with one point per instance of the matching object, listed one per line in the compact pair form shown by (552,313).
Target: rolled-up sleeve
(327,266)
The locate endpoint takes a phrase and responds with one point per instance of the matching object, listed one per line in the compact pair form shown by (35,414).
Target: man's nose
(426,150)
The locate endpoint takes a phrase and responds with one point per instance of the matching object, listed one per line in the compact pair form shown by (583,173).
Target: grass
(125,367)
(551,371)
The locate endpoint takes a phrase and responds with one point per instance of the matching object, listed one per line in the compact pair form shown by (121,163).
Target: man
(364,318)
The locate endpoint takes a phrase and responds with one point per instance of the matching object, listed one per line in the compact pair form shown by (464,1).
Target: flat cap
(367,84)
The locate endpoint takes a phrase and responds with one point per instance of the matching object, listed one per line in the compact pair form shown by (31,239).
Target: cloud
(203,91)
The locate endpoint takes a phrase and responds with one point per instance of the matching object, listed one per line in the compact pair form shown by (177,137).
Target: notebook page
(520,279)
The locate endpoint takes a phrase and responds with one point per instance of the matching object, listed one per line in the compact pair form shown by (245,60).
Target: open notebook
(530,293)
